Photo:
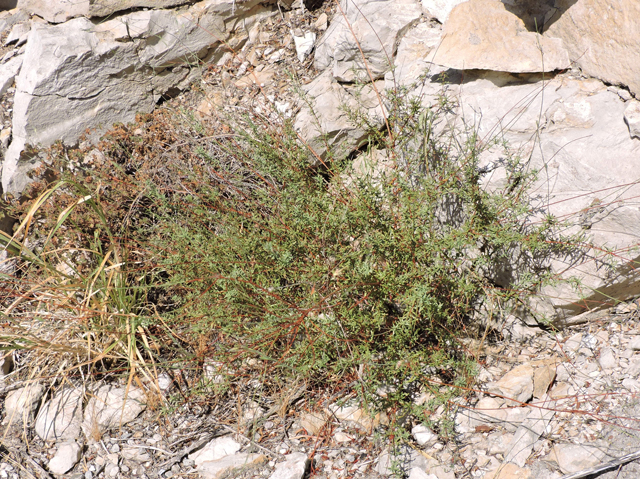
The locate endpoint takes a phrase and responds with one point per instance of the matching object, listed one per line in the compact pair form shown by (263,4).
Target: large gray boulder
(371,28)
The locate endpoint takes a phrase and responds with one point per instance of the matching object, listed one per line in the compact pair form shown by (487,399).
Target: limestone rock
(607,359)
(356,416)
(543,377)
(8,72)
(215,450)
(65,458)
(55,12)
(509,470)
(632,118)
(516,386)
(135,454)
(60,418)
(527,434)
(104,8)
(418,473)
(634,343)
(482,34)
(22,404)
(18,34)
(312,422)
(440,9)
(569,157)
(225,466)
(110,407)
(378,26)
(488,410)
(60,11)
(78,76)
(10,18)
(423,435)
(413,59)
(325,126)
(573,458)
(304,44)
(294,466)
(499,442)
(601,37)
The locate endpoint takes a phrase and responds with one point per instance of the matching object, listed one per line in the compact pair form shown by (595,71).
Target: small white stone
(422,434)
(304,45)
(294,466)
(634,343)
(111,470)
(215,450)
(66,457)
(607,359)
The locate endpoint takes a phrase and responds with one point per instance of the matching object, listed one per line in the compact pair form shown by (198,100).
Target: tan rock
(357,416)
(509,470)
(313,422)
(261,78)
(543,377)
(601,38)
(574,458)
(516,386)
(482,34)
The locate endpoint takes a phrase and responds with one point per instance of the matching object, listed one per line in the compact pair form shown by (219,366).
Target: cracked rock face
(79,75)
(378,27)
(59,11)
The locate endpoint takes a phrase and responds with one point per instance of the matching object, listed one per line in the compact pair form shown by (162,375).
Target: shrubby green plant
(364,271)
(353,270)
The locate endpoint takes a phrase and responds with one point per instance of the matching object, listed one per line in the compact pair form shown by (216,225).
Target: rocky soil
(547,404)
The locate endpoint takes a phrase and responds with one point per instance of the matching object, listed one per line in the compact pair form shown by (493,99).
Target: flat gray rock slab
(110,407)
(61,417)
